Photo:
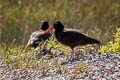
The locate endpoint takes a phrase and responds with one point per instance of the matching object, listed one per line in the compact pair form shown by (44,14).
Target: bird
(71,38)
(38,36)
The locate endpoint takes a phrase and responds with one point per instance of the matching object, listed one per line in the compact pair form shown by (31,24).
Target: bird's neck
(57,32)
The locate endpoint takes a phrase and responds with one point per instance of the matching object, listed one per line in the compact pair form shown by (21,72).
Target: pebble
(101,66)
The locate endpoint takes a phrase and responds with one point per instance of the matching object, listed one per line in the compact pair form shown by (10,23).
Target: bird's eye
(55,23)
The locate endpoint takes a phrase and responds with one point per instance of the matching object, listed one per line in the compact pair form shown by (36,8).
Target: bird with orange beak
(71,38)
(39,36)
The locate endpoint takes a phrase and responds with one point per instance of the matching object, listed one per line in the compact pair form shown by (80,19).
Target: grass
(16,57)
(18,19)
(20,54)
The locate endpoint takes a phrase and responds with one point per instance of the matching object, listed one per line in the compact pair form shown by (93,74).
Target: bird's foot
(71,59)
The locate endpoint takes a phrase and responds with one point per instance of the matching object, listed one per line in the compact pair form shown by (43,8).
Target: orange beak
(46,30)
(52,29)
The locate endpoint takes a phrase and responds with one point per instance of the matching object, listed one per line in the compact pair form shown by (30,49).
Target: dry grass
(97,18)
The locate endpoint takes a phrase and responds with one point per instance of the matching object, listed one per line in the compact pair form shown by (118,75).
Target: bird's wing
(74,30)
(71,37)
(34,36)
(70,29)
(74,38)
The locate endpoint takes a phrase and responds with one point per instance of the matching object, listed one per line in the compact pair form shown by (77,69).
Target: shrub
(112,46)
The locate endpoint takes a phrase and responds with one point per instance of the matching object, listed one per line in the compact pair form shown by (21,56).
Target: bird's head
(45,25)
(58,26)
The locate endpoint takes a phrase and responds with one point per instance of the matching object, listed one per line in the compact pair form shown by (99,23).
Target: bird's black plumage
(72,38)
(37,37)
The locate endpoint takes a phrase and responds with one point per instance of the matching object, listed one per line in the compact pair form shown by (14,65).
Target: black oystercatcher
(72,38)
(39,36)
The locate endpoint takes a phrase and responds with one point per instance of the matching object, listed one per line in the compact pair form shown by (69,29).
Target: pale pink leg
(72,54)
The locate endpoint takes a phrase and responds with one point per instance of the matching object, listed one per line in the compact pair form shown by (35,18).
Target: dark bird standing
(38,36)
(72,38)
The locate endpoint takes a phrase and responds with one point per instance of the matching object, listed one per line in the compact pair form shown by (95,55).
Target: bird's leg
(40,44)
(72,54)
(44,46)
(46,43)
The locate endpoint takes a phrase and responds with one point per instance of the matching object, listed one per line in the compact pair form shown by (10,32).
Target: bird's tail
(93,41)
